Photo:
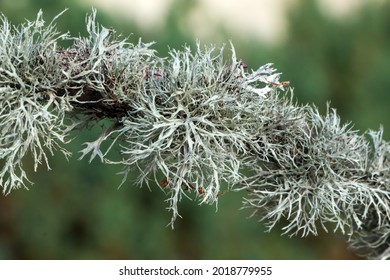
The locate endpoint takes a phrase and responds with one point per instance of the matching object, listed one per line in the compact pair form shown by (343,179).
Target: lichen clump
(194,123)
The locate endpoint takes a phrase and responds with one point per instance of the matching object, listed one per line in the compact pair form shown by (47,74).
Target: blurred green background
(76,211)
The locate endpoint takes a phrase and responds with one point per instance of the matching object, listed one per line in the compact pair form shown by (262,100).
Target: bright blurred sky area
(264,20)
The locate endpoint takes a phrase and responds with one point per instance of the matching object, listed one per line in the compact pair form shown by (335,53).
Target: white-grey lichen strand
(31,115)
(197,125)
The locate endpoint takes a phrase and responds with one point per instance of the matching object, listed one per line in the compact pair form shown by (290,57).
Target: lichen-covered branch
(195,123)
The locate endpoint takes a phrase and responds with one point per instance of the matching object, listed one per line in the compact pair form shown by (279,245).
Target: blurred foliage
(76,211)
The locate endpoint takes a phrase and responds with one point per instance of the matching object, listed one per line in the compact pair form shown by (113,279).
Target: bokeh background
(336,51)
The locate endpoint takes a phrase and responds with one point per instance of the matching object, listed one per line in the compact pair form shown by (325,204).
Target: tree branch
(192,123)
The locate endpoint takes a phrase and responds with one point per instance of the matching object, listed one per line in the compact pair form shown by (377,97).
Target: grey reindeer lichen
(193,123)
